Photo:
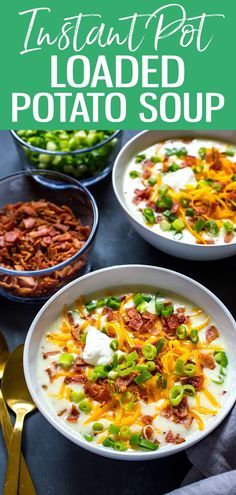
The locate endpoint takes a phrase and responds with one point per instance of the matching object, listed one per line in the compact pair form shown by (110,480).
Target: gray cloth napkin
(214,463)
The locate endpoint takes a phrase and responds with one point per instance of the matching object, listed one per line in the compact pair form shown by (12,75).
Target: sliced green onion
(194,336)
(163,382)
(165,202)
(159,304)
(134,439)
(127,400)
(112,375)
(167,310)
(66,360)
(181,332)
(176,151)
(229,227)
(221,358)
(152,181)
(199,225)
(91,306)
(189,390)
(125,432)
(83,337)
(189,212)
(155,159)
(176,395)
(202,153)
(160,345)
(171,216)
(84,406)
(150,366)
(212,227)
(143,377)
(120,446)
(114,429)
(230,151)
(189,369)
(76,396)
(184,201)
(138,299)
(114,345)
(126,371)
(178,225)
(165,226)
(149,216)
(219,381)
(147,444)
(108,442)
(113,302)
(132,356)
(89,438)
(179,367)
(141,308)
(140,158)
(149,351)
(174,167)
(98,427)
(134,174)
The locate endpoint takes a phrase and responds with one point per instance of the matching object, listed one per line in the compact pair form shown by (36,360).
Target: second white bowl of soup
(179,192)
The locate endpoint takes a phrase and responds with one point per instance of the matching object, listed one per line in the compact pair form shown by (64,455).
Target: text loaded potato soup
(185,190)
(134,371)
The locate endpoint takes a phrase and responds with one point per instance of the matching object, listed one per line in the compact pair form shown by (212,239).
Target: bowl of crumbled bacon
(178,190)
(132,362)
(47,231)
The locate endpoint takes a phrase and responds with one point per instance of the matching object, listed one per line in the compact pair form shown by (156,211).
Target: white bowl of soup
(178,190)
(132,362)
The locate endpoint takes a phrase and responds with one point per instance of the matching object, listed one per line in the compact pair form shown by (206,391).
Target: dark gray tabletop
(57,466)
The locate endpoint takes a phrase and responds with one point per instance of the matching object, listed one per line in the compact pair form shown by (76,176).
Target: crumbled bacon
(142,194)
(60,413)
(229,236)
(74,415)
(31,238)
(190,161)
(79,378)
(211,334)
(214,158)
(207,360)
(147,419)
(133,319)
(172,322)
(159,365)
(50,353)
(98,391)
(196,381)
(180,413)
(124,382)
(176,439)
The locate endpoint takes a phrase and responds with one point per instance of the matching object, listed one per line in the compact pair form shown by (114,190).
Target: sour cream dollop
(180,179)
(97,348)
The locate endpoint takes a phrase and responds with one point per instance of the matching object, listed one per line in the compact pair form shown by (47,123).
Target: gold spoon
(26,486)
(17,396)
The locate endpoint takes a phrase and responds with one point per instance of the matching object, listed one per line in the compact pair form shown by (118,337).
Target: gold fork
(26,486)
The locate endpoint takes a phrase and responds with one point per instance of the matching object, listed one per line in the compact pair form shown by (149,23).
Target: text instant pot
(85,87)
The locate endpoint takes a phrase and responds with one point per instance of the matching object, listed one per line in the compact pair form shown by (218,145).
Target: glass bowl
(61,190)
(98,158)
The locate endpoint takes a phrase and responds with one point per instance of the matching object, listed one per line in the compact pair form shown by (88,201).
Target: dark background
(59,467)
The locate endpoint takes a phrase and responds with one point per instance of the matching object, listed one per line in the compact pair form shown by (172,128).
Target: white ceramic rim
(196,247)
(96,449)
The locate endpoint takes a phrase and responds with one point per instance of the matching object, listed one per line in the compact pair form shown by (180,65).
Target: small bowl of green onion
(88,156)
